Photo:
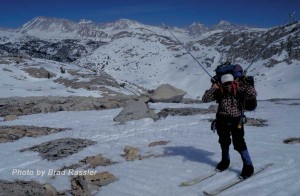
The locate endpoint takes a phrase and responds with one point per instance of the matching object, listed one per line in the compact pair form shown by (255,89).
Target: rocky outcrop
(10,117)
(32,188)
(158,143)
(135,110)
(98,160)
(87,185)
(33,105)
(184,111)
(246,45)
(91,162)
(60,148)
(13,133)
(292,140)
(39,72)
(167,93)
(256,122)
(132,153)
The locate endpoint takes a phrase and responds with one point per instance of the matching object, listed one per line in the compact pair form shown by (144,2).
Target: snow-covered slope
(193,150)
(133,53)
(39,77)
(146,55)
(153,59)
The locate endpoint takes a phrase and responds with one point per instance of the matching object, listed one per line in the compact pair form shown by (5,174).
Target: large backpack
(236,71)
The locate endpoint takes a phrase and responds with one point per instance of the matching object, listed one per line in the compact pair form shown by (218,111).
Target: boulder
(98,160)
(135,110)
(10,117)
(131,153)
(90,184)
(167,93)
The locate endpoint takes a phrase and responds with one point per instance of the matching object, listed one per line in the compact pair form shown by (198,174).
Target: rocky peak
(196,29)
(47,24)
(84,21)
(226,25)
(123,24)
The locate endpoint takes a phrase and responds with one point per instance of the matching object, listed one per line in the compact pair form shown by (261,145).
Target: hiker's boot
(223,165)
(247,171)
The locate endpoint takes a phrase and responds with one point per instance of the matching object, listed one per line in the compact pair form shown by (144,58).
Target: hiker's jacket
(231,98)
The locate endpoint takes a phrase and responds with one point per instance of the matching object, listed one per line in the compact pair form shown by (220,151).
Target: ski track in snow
(193,151)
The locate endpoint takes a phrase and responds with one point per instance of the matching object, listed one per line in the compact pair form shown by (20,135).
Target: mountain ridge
(150,55)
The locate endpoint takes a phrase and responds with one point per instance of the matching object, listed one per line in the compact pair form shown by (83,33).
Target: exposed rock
(10,117)
(5,69)
(89,184)
(144,98)
(12,133)
(91,82)
(183,111)
(39,72)
(191,101)
(256,122)
(167,93)
(158,143)
(131,153)
(32,188)
(34,105)
(91,162)
(294,104)
(60,148)
(135,110)
(292,140)
(98,160)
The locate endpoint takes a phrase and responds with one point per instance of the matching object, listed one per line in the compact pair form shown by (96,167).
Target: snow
(193,151)
(16,82)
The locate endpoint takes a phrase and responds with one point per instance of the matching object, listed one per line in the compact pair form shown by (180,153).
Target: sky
(259,13)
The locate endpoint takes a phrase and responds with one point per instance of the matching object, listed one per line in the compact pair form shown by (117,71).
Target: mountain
(226,25)
(58,29)
(197,29)
(135,53)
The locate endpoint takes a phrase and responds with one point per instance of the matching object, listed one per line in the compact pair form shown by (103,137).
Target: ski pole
(258,55)
(189,52)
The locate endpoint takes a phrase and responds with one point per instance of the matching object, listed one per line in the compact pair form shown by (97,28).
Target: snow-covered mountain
(57,57)
(145,55)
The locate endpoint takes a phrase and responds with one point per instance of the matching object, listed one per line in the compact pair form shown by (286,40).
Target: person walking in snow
(230,94)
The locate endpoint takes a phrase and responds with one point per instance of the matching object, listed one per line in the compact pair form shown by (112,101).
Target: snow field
(193,151)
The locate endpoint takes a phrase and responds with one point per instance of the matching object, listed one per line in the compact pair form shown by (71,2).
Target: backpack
(236,71)
(224,68)
(221,70)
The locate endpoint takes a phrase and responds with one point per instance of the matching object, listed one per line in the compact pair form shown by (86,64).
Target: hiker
(230,94)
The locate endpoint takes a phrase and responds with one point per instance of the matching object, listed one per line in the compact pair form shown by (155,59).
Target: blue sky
(260,13)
